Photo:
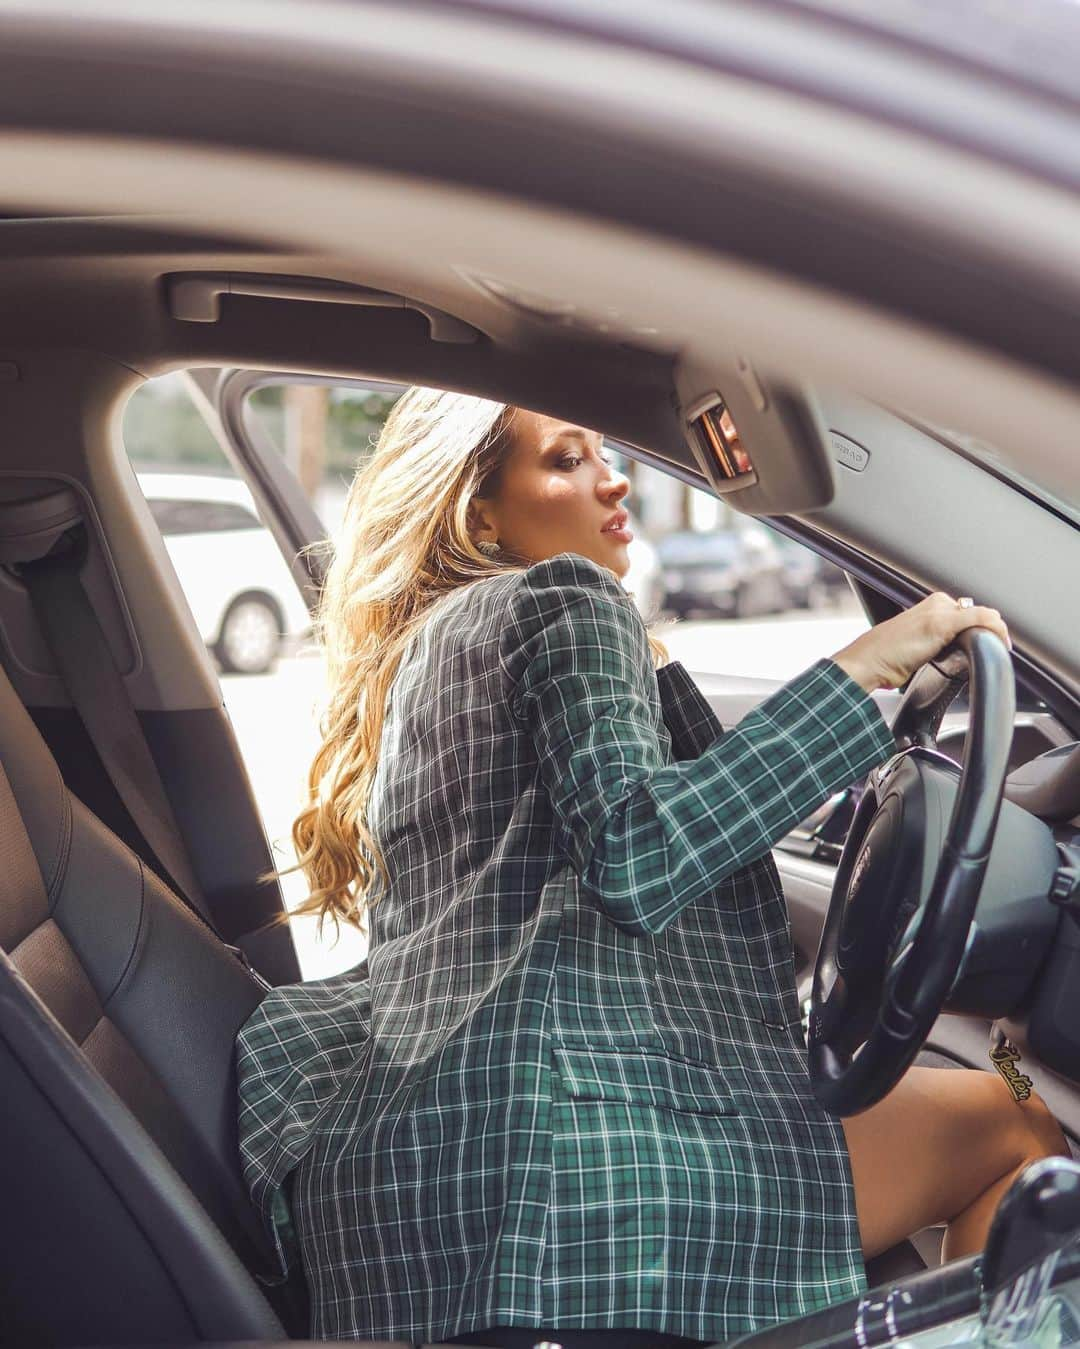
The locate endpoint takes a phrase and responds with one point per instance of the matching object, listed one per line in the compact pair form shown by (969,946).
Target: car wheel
(250,637)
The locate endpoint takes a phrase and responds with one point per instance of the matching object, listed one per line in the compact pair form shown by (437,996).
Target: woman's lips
(617,529)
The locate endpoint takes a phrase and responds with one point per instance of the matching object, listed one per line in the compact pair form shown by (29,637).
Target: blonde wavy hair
(405,542)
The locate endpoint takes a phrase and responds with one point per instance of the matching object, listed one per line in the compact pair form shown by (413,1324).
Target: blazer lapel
(691,722)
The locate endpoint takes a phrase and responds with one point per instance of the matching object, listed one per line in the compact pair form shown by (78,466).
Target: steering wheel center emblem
(859,871)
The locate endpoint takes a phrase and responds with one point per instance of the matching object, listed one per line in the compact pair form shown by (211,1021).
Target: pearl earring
(489,547)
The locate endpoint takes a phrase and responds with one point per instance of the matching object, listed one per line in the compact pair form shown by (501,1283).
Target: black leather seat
(119,1224)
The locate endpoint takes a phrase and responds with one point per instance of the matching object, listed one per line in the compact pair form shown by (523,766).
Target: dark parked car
(734,572)
(810,581)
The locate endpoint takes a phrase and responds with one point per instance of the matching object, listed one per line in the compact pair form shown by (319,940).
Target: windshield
(1054,480)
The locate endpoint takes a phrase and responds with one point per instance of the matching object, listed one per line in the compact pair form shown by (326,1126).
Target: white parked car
(242,595)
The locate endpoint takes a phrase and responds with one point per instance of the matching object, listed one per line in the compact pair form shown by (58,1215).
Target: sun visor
(762,444)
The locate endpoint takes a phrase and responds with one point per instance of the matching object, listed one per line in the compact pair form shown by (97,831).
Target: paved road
(275,717)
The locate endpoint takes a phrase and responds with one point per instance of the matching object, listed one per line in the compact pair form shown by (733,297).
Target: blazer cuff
(853,735)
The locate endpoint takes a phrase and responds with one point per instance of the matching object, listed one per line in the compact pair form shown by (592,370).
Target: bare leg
(943,1146)
(966,1234)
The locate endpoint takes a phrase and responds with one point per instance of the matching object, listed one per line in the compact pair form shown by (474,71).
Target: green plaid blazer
(567,1088)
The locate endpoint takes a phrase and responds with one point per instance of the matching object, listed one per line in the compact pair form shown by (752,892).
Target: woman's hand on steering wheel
(911,873)
(890,653)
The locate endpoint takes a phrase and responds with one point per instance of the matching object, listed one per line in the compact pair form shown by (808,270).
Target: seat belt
(97,690)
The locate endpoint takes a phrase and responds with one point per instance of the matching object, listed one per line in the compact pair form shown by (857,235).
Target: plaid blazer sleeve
(646,836)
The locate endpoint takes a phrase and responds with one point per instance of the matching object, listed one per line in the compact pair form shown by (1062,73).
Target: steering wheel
(909,879)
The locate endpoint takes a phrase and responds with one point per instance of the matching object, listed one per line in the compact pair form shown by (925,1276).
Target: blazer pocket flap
(642,1077)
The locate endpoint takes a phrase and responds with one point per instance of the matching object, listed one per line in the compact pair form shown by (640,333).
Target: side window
(223,516)
(324,433)
(726,594)
(164,513)
(729,594)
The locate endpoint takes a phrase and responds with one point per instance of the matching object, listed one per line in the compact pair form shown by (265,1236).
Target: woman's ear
(481,521)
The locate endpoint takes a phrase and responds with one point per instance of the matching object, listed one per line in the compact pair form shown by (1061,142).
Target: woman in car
(565,1097)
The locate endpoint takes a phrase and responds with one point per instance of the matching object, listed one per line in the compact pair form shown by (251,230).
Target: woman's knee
(938,1141)
(1029,1129)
